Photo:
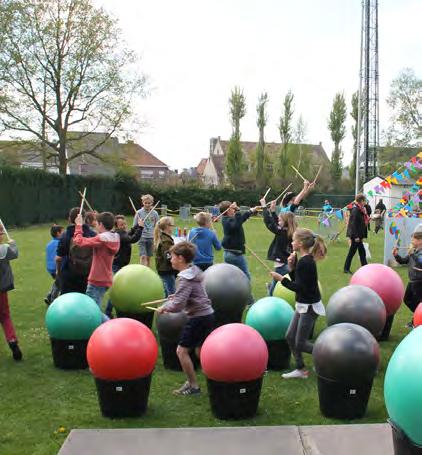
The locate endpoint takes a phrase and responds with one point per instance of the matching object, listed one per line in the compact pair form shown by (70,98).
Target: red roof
(201,166)
(136,155)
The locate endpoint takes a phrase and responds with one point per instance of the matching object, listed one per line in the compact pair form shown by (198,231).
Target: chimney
(213,143)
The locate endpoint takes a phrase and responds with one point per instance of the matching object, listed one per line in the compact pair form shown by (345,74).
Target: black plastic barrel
(126,398)
(223,317)
(234,400)
(402,444)
(278,355)
(343,401)
(69,354)
(385,334)
(170,359)
(146,318)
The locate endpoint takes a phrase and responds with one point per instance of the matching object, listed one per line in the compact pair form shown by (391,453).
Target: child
(204,238)
(122,257)
(51,253)
(91,221)
(146,244)
(234,237)
(413,294)
(163,241)
(377,217)
(190,297)
(8,251)
(304,283)
(281,247)
(291,201)
(105,245)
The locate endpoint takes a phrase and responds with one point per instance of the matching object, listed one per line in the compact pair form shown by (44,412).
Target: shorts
(146,247)
(196,330)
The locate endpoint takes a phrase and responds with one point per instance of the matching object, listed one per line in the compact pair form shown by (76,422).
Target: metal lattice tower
(368,114)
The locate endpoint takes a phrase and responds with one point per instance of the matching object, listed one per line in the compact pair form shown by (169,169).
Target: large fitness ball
(234,353)
(271,317)
(417,316)
(346,353)
(359,305)
(72,316)
(122,349)
(135,284)
(402,386)
(170,326)
(227,287)
(282,292)
(384,281)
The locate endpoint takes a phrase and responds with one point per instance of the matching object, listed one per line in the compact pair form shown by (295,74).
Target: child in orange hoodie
(105,245)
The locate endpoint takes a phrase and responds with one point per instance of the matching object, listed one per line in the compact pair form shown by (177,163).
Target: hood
(3,250)
(193,273)
(111,240)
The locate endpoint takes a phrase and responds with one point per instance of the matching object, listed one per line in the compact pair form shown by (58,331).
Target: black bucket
(402,444)
(69,354)
(146,318)
(278,355)
(234,400)
(343,401)
(224,317)
(385,334)
(126,398)
(170,359)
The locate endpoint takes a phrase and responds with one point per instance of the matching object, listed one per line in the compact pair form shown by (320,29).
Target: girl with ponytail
(304,283)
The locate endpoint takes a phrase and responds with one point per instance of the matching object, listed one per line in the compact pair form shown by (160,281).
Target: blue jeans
(169,282)
(97,293)
(282,270)
(238,260)
(109,308)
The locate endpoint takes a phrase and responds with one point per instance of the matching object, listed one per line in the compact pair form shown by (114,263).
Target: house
(212,172)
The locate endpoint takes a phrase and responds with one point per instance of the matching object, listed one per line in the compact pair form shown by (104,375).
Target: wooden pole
(151,308)
(266,194)
(133,205)
(259,259)
(221,214)
(82,202)
(87,203)
(149,213)
(5,230)
(154,302)
(298,173)
(319,171)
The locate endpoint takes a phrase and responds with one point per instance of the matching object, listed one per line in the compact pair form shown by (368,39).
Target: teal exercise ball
(271,317)
(289,296)
(402,386)
(72,316)
(133,285)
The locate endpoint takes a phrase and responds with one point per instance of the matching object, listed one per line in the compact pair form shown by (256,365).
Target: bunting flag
(339,214)
(326,222)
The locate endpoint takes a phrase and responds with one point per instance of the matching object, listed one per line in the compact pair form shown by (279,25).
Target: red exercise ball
(122,349)
(417,316)
(234,353)
(384,281)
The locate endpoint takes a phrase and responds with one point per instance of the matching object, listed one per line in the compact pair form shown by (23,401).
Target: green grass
(36,399)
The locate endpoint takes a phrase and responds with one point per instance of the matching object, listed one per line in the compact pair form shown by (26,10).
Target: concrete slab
(185,441)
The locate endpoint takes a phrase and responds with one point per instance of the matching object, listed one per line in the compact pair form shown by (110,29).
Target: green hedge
(29,196)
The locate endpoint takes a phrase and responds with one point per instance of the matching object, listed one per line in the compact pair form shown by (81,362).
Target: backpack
(80,259)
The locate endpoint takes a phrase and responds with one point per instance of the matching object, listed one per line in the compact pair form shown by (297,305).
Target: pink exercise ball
(384,281)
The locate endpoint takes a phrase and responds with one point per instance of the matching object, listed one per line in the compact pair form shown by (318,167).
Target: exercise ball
(289,296)
(72,316)
(133,285)
(384,281)
(234,353)
(346,353)
(417,316)
(402,386)
(271,317)
(122,349)
(170,326)
(227,287)
(359,305)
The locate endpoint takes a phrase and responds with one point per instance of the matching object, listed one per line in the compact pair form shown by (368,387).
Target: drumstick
(298,173)
(266,194)
(5,230)
(149,213)
(259,259)
(133,205)
(151,308)
(82,202)
(319,171)
(281,194)
(154,302)
(87,203)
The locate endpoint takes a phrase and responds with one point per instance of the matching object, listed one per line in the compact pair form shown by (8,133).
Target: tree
(405,100)
(234,157)
(354,115)
(285,128)
(299,135)
(337,127)
(261,170)
(63,66)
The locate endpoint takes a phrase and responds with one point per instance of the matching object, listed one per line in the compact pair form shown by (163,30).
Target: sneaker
(47,301)
(348,271)
(302,374)
(191,391)
(16,352)
(182,388)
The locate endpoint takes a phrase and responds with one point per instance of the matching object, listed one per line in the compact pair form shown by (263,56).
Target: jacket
(8,252)
(356,228)
(64,243)
(204,239)
(414,262)
(162,254)
(122,257)
(281,246)
(234,236)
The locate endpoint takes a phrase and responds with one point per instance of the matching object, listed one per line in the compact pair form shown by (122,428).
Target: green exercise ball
(72,316)
(271,317)
(402,386)
(135,284)
(289,296)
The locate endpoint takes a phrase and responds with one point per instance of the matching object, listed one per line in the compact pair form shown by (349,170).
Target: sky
(195,52)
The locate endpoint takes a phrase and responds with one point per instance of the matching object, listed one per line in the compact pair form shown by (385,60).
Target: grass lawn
(41,404)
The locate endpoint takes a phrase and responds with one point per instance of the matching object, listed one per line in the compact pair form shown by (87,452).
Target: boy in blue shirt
(51,253)
(205,239)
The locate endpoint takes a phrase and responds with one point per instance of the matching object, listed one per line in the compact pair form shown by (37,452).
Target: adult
(380,210)
(291,201)
(327,207)
(71,270)
(357,231)
(381,207)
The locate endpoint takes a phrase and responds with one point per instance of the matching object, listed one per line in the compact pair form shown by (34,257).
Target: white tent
(391,196)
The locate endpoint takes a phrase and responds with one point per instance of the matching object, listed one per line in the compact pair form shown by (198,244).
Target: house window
(161,173)
(83,168)
(147,174)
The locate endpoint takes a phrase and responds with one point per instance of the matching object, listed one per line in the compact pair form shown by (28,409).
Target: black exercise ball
(227,287)
(170,326)
(346,353)
(359,305)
